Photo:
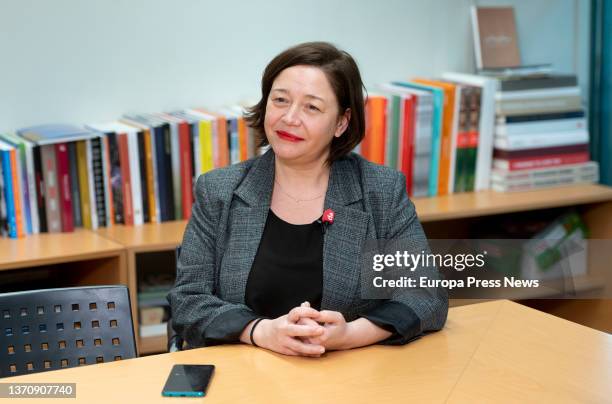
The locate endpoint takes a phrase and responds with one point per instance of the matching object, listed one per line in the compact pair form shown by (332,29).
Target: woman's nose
(291,117)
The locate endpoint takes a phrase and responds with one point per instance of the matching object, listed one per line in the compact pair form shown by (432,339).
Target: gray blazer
(223,235)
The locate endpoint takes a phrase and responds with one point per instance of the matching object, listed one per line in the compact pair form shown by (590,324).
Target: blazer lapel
(343,239)
(246,225)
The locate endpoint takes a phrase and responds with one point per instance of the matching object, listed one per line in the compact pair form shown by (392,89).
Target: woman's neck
(304,177)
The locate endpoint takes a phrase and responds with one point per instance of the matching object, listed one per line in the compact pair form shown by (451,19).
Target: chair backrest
(51,329)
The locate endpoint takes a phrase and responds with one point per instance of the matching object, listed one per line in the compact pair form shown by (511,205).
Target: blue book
(436,132)
(5,157)
(25,190)
(54,133)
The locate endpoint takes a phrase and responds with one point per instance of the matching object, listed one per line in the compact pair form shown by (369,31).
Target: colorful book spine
(134,177)
(98,180)
(74,184)
(52,199)
(5,157)
(186,169)
(126,186)
(528,163)
(92,186)
(40,189)
(116,177)
(83,177)
(63,180)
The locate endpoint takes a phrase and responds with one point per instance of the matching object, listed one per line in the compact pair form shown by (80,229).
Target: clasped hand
(304,331)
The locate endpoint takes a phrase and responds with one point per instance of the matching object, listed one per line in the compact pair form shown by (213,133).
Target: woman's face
(302,115)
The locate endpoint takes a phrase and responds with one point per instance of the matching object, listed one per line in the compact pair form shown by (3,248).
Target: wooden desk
(490,352)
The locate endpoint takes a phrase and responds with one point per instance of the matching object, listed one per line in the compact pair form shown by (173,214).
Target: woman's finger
(328,316)
(296,313)
(296,330)
(302,348)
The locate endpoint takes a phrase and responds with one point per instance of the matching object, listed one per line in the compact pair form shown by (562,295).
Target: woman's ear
(343,123)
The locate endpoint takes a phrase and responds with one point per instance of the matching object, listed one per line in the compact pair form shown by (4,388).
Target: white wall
(82,61)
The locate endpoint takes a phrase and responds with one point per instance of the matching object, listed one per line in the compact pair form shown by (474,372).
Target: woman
(258,265)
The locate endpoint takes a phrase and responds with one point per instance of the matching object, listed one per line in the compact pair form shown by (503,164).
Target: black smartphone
(188,381)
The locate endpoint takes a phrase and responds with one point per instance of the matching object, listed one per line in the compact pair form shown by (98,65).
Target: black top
(287,269)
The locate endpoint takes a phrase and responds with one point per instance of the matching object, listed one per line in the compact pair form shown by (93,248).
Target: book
(538,82)
(540,140)
(375,139)
(495,38)
(83,178)
(110,213)
(54,133)
(533,127)
(3,211)
(8,188)
(98,181)
(40,189)
(448,134)
(539,93)
(74,184)
(52,197)
(486,123)
(422,142)
(93,212)
(209,145)
(504,180)
(63,181)
(183,173)
(523,71)
(25,180)
(588,167)
(436,132)
(171,164)
(151,135)
(542,105)
(464,147)
(401,132)
(162,162)
(551,160)
(144,178)
(501,119)
(126,179)
(221,135)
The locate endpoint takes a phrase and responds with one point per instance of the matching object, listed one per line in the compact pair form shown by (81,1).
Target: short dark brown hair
(344,78)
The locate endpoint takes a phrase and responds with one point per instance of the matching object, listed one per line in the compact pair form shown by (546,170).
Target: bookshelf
(118,253)
(46,260)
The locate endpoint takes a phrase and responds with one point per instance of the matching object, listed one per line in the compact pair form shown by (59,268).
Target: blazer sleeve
(410,312)
(198,315)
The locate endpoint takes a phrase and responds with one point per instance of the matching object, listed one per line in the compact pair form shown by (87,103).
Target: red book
(407,146)
(63,179)
(552,160)
(126,183)
(186,169)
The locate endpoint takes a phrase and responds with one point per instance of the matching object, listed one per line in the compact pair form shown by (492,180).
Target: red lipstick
(288,136)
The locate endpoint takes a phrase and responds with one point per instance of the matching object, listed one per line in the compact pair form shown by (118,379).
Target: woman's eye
(279,100)
(313,108)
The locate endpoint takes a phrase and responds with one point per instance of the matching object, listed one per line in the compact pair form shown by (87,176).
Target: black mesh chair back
(51,329)
(175,341)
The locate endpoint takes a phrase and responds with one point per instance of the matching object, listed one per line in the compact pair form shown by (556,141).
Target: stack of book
(438,133)
(541,136)
(139,169)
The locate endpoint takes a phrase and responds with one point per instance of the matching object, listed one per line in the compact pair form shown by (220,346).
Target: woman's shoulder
(221,182)
(373,176)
